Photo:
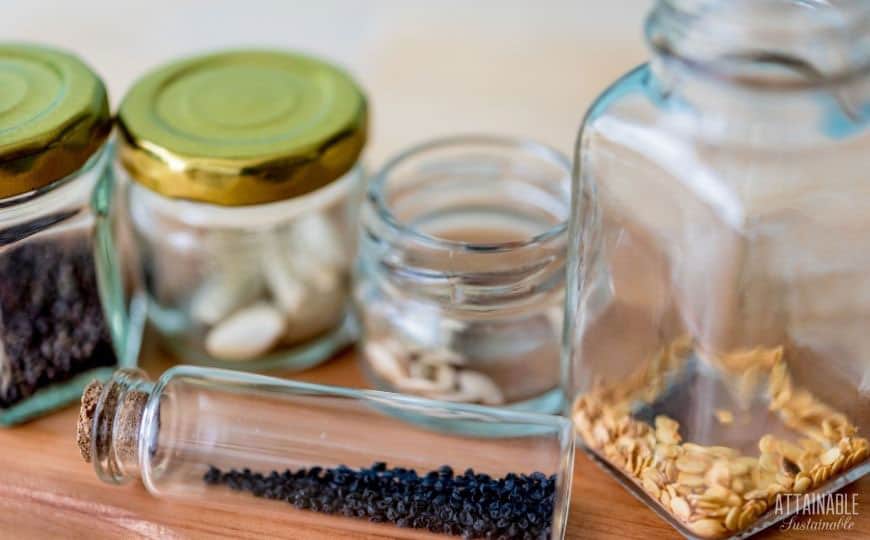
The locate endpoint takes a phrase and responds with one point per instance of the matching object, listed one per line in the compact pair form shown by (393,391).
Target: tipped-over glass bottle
(221,437)
(718,302)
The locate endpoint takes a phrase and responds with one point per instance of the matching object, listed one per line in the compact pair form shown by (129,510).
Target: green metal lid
(54,114)
(242,127)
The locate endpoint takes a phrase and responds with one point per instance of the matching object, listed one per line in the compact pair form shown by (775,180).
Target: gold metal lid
(54,115)
(242,127)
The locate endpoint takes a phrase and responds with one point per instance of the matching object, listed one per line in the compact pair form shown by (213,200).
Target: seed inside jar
(717,491)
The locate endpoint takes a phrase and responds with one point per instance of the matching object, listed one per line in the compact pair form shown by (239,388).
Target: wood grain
(47,491)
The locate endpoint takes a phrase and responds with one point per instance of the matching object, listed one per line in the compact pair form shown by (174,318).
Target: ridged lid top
(54,115)
(242,127)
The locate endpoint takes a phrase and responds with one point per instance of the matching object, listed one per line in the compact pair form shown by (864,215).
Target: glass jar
(238,179)
(54,121)
(717,313)
(460,285)
(222,438)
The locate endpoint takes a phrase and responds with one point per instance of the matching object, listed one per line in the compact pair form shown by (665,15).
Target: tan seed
(668,437)
(785,480)
(731,518)
(755,494)
(692,464)
(707,528)
(769,462)
(719,473)
(802,483)
(830,456)
(690,480)
(768,444)
(839,464)
(651,488)
(724,416)
(681,508)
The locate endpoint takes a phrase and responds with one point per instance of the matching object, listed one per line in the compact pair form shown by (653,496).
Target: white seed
(474,387)
(314,233)
(322,277)
(384,360)
(440,356)
(481,385)
(322,310)
(223,293)
(289,292)
(428,378)
(246,334)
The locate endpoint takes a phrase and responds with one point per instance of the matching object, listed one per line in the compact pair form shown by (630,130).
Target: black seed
(473,505)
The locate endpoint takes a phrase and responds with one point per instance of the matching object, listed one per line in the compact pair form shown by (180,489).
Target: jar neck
(29,213)
(763,44)
(472,222)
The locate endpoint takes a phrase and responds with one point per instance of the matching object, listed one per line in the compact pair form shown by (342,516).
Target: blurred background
(430,67)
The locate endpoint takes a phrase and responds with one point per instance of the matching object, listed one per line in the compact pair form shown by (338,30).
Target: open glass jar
(238,175)
(718,300)
(461,272)
(54,122)
(241,440)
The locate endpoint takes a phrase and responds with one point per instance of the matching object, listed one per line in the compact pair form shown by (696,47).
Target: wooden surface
(47,491)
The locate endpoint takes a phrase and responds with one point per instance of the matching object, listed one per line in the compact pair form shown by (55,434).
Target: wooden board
(47,491)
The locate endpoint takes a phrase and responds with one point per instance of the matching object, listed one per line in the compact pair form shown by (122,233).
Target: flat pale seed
(690,480)
(830,456)
(839,464)
(755,494)
(666,499)
(707,528)
(719,473)
(681,508)
(731,519)
(769,462)
(802,484)
(652,488)
(692,464)
(768,444)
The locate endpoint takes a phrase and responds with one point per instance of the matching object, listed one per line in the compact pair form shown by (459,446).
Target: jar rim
(377,189)
(668,21)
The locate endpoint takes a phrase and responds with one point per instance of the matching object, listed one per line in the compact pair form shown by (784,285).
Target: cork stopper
(90,398)
(118,426)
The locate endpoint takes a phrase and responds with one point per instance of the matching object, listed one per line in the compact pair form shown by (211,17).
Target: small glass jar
(238,179)
(54,122)
(240,440)
(718,299)
(461,272)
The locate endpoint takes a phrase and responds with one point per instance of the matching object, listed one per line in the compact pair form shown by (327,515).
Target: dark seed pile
(51,322)
(471,505)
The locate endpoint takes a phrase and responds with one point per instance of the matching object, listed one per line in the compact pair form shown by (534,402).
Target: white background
(430,67)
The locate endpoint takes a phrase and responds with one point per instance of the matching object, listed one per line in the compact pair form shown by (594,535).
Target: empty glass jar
(238,181)
(461,272)
(233,439)
(54,121)
(718,300)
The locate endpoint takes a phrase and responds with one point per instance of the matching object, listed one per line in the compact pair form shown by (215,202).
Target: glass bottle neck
(763,44)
